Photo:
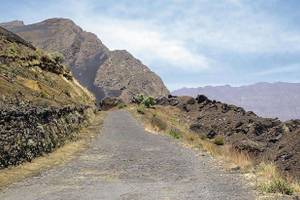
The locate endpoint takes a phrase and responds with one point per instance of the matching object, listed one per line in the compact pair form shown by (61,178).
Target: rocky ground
(125,162)
(263,138)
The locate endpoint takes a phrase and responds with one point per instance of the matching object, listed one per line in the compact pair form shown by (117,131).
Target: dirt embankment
(263,138)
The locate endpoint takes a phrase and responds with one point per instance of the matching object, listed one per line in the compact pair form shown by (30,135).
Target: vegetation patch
(219,140)
(270,180)
(158,123)
(141,109)
(267,177)
(175,133)
(277,185)
(147,101)
(121,105)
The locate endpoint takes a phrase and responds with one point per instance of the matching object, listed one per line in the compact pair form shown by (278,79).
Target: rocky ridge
(262,138)
(89,59)
(278,99)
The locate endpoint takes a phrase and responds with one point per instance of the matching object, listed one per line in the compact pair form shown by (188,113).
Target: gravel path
(125,162)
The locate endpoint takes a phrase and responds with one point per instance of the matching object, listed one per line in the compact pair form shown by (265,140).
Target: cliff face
(89,59)
(123,75)
(83,51)
(41,104)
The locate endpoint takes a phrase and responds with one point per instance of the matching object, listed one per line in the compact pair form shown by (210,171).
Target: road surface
(125,162)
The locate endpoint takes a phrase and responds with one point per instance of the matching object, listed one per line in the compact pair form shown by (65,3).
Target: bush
(139,98)
(57,57)
(122,105)
(148,102)
(271,181)
(145,100)
(219,140)
(141,109)
(277,185)
(158,123)
(175,133)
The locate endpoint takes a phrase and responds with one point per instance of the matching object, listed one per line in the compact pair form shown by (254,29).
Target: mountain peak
(62,21)
(92,63)
(12,24)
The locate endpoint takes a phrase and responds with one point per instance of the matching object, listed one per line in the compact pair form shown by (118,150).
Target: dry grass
(173,118)
(158,124)
(31,84)
(241,159)
(267,177)
(58,157)
(219,140)
(296,186)
(270,180)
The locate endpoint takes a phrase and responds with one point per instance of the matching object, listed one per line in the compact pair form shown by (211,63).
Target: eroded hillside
(89,59)
(41,104)
(264,139)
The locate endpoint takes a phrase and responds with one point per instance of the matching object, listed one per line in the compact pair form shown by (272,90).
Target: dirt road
(125,162)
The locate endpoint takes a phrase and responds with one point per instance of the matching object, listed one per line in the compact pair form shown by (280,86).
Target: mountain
(89,58)
(122,74)
(41,104)
(279,99)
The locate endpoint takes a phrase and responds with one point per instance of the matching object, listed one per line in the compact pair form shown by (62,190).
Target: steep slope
(83,51)
(123,75)
(85,54)
(41,104)
(262,138)
(266,99)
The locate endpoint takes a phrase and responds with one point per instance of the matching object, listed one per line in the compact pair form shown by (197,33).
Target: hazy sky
(188,42)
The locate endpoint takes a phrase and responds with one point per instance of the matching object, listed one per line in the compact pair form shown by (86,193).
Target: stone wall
(29,131)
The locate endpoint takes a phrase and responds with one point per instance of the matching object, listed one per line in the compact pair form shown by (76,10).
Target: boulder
(109,102)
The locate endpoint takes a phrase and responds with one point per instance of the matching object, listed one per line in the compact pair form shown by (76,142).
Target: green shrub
(277,185)
(145,100)
(139,98)
(219,140)
(157,122)
(175,133)
(148,102)
(141,109)
(122,105)
(57,57)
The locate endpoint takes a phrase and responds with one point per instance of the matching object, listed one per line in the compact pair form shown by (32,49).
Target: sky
(189,43)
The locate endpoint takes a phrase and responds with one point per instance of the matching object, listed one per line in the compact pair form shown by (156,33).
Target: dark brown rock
(262,138)
(109,102)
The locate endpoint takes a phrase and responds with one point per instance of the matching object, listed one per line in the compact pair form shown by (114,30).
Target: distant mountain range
(278,99)
(104,72)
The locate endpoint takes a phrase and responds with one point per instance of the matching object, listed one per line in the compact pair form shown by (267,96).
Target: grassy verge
(170,121)
(270,180)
